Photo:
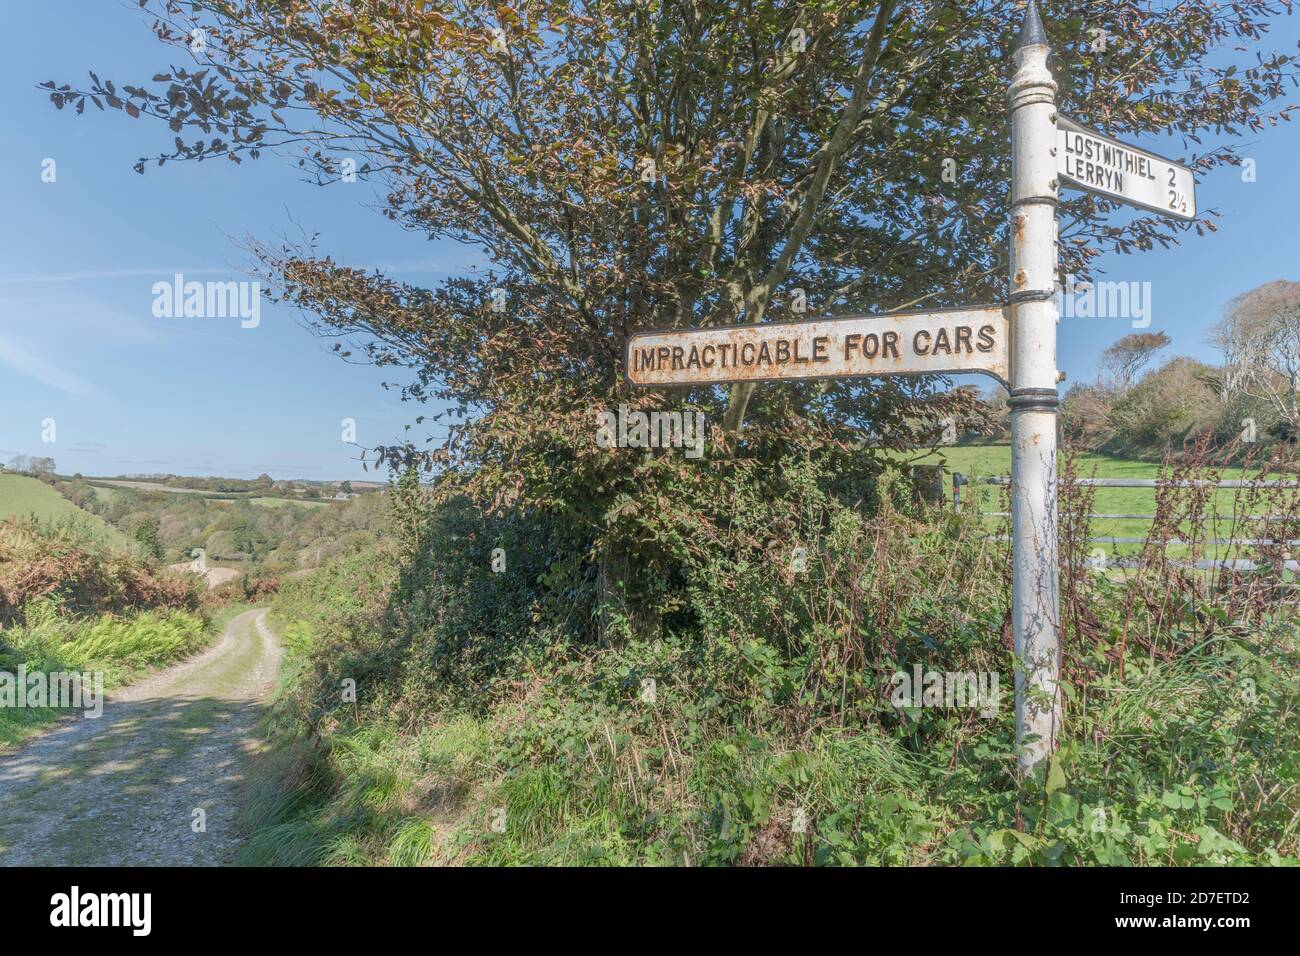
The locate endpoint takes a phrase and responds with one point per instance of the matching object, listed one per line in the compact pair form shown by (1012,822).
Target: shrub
(38,561)
(753,723)
(1164,410)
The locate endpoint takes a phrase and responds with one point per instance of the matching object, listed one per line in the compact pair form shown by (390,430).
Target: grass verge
(123,648)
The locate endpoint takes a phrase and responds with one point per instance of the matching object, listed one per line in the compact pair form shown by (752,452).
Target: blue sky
(133,393)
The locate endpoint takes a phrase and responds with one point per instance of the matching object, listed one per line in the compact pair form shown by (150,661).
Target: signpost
(1035,589)
(1015,344)
(904,343)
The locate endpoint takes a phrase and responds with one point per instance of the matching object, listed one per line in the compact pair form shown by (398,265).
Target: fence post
(927,480)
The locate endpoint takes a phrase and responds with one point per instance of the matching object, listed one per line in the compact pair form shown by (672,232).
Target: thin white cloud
(90,275)
(35,367)
(75,318)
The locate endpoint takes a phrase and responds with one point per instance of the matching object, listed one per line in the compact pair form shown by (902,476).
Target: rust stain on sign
(905,343)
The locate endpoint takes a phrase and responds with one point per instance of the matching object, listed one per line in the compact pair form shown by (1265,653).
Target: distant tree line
(1246,405)
(262,484)
(169,526)
(29,465)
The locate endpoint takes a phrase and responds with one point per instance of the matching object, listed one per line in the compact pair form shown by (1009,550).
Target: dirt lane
(123,789)
(214,576)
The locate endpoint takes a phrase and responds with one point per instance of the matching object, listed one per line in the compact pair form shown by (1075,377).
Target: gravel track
(122,789)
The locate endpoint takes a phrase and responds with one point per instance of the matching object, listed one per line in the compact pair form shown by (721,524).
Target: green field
(284,502)
(147,486)
(264,502)
(103,492)
(22,496)
(979,461)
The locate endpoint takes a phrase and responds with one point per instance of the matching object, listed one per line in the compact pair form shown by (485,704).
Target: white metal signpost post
(1015,344)
(1035,591)
(1048,150)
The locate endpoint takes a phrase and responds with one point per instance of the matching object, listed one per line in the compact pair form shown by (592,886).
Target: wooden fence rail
(958,479)
(1206,564)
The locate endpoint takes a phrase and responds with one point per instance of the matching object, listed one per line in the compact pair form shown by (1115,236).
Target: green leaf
(1055,775)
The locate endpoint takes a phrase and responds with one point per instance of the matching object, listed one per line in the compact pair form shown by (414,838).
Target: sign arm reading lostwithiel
(1107,167)
(1015,344)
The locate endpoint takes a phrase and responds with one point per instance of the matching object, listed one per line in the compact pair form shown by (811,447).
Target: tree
(626,165)
(1122,363)
(1168,408)
(1085,415)
(1259,336)
(631,164)
(345,487)
(147,534)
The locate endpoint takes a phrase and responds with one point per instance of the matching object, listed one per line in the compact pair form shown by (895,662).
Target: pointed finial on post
(1032,33)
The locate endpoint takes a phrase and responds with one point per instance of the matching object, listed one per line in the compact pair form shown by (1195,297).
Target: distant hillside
(22,496)
(275,497)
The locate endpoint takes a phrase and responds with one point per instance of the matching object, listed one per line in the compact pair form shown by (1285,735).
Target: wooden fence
(1230,564)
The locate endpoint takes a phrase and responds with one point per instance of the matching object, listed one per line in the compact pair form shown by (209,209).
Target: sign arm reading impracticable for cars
(946,341)
(1015,344)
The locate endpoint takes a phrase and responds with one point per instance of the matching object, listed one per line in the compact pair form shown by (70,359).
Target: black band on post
(1039,399)
(1036,201)
(1031,295)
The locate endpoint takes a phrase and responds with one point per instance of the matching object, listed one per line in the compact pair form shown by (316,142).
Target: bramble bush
(47,560)
(520,716)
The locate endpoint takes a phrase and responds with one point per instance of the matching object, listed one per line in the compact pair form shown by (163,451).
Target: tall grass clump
(71,604)
(120,648)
